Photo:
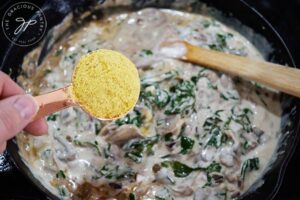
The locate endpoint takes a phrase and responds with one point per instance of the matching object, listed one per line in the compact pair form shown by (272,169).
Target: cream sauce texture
(194,134)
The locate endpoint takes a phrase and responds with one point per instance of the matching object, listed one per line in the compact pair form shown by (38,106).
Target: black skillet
(56,10)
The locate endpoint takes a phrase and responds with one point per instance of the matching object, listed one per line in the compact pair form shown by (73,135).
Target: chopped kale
(182,98)
(211,86)
(71,57)
(88,144)
(146,52)
(97,128)
(259,95)
(229,95)
(227,123)
(95,146)
(243,118)
(107,152)
(223,194)
(187,144)
(136,155)
(246,145)
(48,71)
(157,78)
(249,165)
(215,127)
(116,172)
(133,117)
(213,122)
(206,23)
(165,156)
(60,174)
(216,138)
(213,167)
(52,117)
(200,75)
(221,40)
(221,43)
(212,125)
(160,97)
(62,191)
(135,149)
(180,170)
(168,137)
(131,196)
(58,52)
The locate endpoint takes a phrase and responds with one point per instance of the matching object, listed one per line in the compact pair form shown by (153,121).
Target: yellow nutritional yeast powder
(106,84)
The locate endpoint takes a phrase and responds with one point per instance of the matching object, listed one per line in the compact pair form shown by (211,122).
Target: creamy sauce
(206,135)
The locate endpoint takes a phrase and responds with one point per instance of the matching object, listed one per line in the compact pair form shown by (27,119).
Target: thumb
(15,113)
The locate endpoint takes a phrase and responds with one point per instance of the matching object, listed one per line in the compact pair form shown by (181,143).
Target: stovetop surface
(285,17)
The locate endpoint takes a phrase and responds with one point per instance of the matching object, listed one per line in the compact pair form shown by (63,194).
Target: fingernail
(26,106)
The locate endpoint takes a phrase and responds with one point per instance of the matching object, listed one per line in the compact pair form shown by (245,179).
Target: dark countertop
(285,17)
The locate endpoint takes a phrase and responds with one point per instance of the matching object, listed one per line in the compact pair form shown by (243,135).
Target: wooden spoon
(282,78)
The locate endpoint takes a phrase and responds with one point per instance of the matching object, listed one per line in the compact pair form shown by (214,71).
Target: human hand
(16,112)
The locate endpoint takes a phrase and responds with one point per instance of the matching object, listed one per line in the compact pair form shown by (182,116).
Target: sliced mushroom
(208,154)
(46,157)
(108,129)
(212,76)
(182,191)
(252,140)
(162,175)
(169,124)
(67,116)
(64,150)
(233,190)
(262,137)
(199,195)
(217,177)
(205,157)
(104,191)
(226,81)
(236,141)
(156,168)
(146,113)
(206,194)
(120,135)
(235,194)
(250,137)
(115,185)
(232,176)
(228,157)
(257,131)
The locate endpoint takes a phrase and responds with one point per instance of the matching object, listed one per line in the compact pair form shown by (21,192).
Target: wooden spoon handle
(53,101)
(282,78)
